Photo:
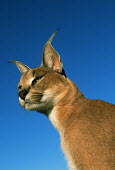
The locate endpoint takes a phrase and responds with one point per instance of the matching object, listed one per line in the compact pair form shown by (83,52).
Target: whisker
(36,97)
(36,93)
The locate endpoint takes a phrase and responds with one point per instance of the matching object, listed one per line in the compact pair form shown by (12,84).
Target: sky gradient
(86,44)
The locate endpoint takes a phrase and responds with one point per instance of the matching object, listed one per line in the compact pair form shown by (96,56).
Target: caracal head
(38,88)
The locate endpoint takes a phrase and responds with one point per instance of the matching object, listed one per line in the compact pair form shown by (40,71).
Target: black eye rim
(36,79)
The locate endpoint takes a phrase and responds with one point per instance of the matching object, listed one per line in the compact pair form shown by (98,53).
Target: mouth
(41,103)
(31,105)
(27,101)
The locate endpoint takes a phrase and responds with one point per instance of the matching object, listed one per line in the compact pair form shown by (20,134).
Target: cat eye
(36,79)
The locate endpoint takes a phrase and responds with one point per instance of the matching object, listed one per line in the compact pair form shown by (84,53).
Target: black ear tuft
(22,67)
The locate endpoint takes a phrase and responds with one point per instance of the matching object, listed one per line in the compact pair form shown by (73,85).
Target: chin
(30,107)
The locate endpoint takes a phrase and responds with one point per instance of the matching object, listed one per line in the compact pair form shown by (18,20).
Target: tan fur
(86,127)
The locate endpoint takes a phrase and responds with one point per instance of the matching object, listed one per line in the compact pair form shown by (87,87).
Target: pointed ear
(22,67)
(51,58)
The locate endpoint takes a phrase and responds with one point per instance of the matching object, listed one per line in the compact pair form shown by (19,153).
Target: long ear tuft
(22,67)
(51,58)
(53,35)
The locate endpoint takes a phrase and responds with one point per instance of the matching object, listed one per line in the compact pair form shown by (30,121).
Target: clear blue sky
(86,44)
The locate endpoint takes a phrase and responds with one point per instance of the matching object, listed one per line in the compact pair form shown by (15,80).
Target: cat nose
(22,94)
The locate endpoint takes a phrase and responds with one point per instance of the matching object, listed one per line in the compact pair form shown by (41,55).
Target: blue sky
(86,44)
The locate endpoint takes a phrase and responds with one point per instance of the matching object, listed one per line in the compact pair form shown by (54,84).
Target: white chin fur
(22,102)
(29,106)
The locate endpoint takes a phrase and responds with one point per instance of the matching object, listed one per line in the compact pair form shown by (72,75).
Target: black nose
(22,94)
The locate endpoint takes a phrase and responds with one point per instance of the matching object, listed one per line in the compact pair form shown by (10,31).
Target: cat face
(38,89)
